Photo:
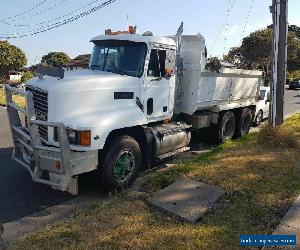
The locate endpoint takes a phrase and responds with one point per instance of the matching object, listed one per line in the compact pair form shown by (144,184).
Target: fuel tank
(170,137)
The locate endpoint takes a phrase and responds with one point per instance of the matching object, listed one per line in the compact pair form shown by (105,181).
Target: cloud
(295,20)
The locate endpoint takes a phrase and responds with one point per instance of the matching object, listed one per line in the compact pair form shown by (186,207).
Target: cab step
(169,154)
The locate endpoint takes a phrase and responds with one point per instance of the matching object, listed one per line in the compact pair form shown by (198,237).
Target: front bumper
(57,167)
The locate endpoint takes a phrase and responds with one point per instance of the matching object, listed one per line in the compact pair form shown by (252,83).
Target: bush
(293,75)
(27,76)
(277,138)
(214,64)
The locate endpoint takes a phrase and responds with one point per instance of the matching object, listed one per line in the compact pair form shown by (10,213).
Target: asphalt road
(19,196)
(292,102)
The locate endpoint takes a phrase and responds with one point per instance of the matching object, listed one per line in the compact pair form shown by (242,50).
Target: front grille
(40,99)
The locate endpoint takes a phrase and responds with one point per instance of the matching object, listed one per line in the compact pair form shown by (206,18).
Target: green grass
(260,182)
(19,100)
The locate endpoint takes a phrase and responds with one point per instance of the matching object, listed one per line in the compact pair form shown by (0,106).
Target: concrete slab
(186,199)
(282,229)
(290,224)
(292,218)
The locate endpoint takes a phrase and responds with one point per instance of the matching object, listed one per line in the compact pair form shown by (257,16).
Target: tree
(233,55)
(255,51)
(55,59)
(11,58)
(27,76)
(213,64)
(295,29)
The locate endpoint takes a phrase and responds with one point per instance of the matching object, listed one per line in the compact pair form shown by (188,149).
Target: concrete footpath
(290,224)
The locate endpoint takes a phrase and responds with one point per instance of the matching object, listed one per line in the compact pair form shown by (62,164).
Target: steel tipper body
(137,102)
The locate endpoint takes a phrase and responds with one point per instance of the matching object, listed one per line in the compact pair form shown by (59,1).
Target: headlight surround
(76,137)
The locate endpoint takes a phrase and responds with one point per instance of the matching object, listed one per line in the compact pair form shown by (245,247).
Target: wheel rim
(258,117)
(124,166)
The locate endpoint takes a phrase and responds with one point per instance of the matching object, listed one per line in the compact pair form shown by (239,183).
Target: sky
(222,22)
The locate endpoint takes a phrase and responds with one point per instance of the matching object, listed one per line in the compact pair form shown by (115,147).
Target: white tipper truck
(138,101)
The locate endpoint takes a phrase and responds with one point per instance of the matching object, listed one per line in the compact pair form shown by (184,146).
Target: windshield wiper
(118,71)
(94,67)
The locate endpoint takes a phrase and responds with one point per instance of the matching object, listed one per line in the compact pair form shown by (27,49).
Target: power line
(26,11)
(37,13)
(69,20)
(225,22)
(231,6)
(54,19)
(247,19)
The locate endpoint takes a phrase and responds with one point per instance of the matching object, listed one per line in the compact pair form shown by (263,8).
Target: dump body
(213,91)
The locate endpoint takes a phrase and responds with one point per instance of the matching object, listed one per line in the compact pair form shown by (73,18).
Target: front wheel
(121,164)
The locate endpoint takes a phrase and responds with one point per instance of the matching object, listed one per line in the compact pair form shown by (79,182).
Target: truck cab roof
(137,38)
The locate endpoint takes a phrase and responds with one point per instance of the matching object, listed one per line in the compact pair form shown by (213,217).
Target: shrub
(214,65)
(27,76)
(292,75)
(277,138)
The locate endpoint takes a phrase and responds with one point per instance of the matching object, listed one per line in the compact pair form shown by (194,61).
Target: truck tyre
(121,164)
(226,127)
(244,123)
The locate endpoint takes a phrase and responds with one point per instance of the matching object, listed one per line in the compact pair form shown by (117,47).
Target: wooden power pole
(279,10)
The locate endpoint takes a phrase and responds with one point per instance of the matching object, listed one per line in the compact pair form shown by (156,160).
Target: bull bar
(57,167)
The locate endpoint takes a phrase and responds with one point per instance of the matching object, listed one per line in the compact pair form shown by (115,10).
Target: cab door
(159,84)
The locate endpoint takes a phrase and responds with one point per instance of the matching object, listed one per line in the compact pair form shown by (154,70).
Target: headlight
(76,137)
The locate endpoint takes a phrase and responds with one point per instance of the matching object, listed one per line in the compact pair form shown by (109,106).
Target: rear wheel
(226,127)
(244,123)
(121,163)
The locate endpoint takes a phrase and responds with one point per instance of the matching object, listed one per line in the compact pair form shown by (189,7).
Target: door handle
(156,79)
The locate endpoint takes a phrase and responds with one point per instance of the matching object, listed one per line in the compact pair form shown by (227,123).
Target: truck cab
(130,83)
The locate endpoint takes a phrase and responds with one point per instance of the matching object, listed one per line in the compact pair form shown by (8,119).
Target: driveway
(19,196)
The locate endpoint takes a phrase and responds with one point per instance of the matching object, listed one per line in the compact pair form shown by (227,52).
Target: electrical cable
(37,13)
(64,22)
(224,24)
(246,20)
(55,19)
(26,11)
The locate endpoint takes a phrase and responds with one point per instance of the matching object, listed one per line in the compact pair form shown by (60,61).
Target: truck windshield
(120,57)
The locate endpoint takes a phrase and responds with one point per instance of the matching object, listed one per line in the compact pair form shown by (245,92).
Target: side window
(170,62)
(162,63)
(153,68)
(262,95)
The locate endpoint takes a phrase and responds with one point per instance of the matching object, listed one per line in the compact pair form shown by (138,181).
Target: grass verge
(19,100)
(261,183)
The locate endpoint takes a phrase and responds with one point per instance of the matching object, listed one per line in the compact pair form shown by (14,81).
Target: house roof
(79,61)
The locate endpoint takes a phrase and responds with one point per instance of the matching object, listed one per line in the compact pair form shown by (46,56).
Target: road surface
(292,102)
(19,196)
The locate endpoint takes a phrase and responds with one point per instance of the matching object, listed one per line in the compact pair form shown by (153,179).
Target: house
(14,76)
(79,62)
